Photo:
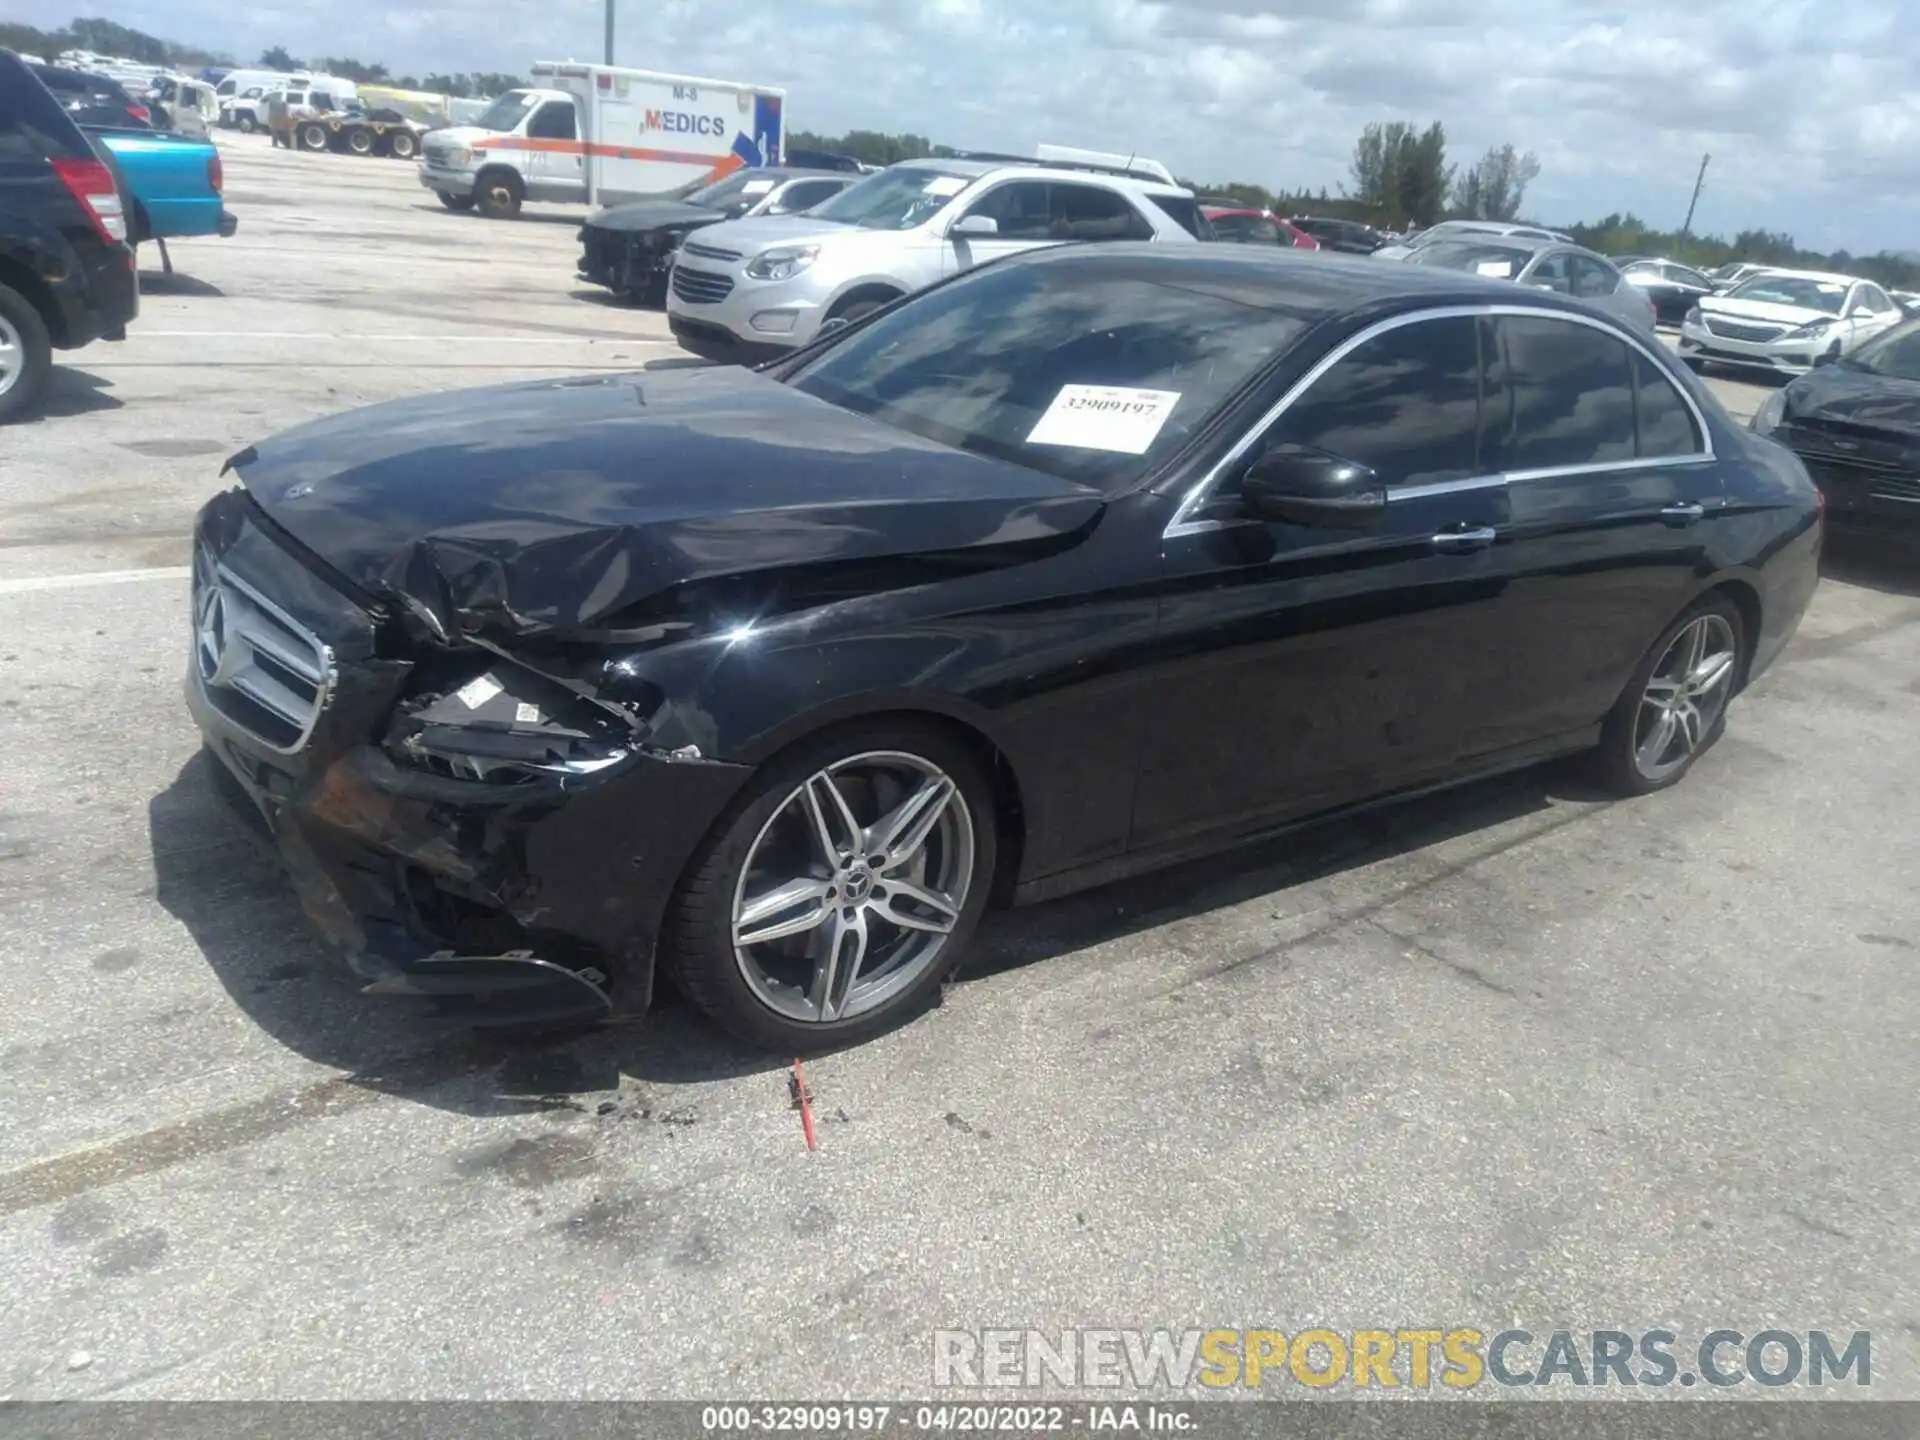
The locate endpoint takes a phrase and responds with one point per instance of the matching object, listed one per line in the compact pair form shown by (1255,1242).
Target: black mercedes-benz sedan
(1076,564)
(630,248)
(1855,421)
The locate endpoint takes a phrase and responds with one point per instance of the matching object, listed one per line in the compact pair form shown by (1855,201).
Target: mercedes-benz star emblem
(210,635)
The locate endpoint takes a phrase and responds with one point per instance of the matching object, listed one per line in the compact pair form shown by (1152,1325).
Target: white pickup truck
(599,134)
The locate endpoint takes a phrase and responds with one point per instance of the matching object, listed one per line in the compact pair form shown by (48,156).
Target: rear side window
(1184,212)
(1405,403)
(1562,395)
(32,124)
(1591,279)
(553,121)
(1665,424)
(1090,212)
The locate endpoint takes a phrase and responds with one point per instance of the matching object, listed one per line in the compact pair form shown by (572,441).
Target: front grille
(1734,330)
(258,666)
(1850,475)
(709,252)
(698,287)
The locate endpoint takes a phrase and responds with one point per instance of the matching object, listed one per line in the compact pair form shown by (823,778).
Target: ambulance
(601,135)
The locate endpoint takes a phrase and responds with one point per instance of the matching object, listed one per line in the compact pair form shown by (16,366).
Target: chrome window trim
(1197,494)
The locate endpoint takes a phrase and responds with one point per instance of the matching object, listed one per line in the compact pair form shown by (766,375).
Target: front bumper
(631,263)
(769,317)
(1782,357)
(1867,488)
(513,905)
(452,180)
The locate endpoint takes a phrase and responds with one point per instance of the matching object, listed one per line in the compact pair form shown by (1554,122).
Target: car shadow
(1874,562)
(173,282)
(234,900)
(607,300)
(74,392)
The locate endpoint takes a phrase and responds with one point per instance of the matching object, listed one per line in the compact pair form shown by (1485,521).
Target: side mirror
(1824,358)
(1298,486)
(968,225)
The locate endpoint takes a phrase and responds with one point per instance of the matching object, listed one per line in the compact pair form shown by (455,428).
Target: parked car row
(81,186)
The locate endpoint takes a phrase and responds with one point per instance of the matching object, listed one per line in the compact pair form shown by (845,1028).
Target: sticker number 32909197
(1105,417)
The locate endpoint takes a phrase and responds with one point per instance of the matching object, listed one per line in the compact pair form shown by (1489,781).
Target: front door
(1305,666)
(1021,211)
(556,161)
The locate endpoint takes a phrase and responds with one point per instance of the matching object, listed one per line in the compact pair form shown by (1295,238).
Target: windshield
(1827,295)
(1895,354)
(896,199)
(741,186)
(506,113)
(1499,262)
(1092,369)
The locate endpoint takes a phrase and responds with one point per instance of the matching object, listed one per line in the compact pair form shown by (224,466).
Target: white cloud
(1810,108)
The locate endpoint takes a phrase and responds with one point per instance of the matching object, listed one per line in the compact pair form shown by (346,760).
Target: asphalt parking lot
(1512,1056)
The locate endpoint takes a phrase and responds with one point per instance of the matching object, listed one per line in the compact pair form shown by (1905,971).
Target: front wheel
(499,194)
(26,355)
(245,125)
(839,892)
(453,201)
(1675,706)
(360,142)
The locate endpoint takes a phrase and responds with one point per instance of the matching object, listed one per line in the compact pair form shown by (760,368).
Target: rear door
(1612,490)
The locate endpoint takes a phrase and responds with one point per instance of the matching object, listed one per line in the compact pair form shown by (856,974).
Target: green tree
(1494,186)
(279,58)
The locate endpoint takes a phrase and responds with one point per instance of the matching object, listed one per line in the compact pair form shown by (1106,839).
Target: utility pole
(1685,230)
(609,59)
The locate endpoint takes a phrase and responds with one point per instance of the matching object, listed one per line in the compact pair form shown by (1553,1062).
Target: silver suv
(759,287)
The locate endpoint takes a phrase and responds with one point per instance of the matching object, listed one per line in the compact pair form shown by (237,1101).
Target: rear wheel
(402,145)
(453,201)
(499,194)
(839,892)
(26,355)
(360,142)
(1675,706)
(245,125)
(313,137)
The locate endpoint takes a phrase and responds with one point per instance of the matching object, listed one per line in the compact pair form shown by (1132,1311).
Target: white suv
(760,287)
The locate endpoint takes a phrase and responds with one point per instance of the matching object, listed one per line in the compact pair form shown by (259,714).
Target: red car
(1239,225)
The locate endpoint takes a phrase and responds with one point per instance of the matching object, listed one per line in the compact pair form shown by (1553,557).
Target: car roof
(978,166)
(1319,285)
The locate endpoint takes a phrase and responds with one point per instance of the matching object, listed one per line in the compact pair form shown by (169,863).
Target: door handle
(1679,516)
(1462,542)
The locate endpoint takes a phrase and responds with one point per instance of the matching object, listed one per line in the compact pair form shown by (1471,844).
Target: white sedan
(1786,321)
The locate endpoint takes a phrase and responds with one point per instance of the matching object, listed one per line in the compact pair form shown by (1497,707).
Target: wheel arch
(19,277)
(1745,596)
(885,291)
(965,722)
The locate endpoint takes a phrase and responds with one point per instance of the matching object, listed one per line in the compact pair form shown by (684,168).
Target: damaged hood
(554,506)
(1844,395)
(653,215)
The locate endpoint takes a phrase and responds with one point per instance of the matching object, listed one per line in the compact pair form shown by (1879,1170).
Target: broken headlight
(506,726)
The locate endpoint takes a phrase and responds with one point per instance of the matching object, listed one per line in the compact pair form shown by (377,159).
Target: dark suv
(66,274)
(1347,236)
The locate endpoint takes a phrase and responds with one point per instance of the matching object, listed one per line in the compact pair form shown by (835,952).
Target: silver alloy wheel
(13,355)
(851,889)
(1685,696)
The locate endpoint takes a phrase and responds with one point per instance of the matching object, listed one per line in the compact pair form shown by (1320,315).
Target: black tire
(1615,761)
(851,310)
(244,124)
(696,941)
(359,141)
(499,194)
(455,202)
(402,146)
(312,136)
(21,327)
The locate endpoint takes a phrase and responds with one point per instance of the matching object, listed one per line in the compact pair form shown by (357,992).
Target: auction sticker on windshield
(1105,417)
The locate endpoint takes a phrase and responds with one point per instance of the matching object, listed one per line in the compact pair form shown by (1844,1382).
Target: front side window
(554,121)
(1406,404)
(1185,212)
(1563,397)
(1021,209)
(1874,301)
(901,198)
(1006,354)
(1688,277)
(1552,272)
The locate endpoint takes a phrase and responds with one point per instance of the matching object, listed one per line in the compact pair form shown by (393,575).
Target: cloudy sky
(1810,108)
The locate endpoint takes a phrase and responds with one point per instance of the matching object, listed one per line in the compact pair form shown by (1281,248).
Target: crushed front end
(462,825)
